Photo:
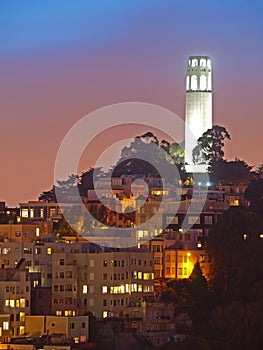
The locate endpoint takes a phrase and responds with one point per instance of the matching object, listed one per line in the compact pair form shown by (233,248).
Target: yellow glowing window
(24,213)
(6,325)
(139,275)
(7,302)
(146,276)
(84,289)
(49,251)
(22,316)
(104,289)
(139,288)
(17,303)
(105,314)
(22,302)
(21,330)
(12,303)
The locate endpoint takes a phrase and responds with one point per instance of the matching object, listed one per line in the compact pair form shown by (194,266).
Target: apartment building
(15,291)
(103,283)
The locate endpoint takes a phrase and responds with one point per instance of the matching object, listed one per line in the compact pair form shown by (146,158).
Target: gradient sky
(60,60)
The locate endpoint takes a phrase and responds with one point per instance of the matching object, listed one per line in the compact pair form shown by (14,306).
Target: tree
(211,144)
(254,194)
(236,172)
(236,251)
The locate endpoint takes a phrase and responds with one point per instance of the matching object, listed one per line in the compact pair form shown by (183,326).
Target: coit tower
(198,109)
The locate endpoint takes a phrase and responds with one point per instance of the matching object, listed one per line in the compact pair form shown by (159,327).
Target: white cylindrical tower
(198,109)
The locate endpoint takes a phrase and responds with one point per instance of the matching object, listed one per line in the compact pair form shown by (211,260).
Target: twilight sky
(60,60)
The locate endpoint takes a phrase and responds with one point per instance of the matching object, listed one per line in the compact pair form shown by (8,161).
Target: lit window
(261,235)
(41,212)
(58,313)
(203,82)
(22,302)
(12,303)
(139,275)
(245,236)
(49,251)
(22,316)
(5,251)
(105,314)
(203,62)
(24,213)
(85,289)
(193,82)
(194,62)
(104,289)
(17,303)
(6,325)
(22,330)
(37,232)
(7,302)
(31,213)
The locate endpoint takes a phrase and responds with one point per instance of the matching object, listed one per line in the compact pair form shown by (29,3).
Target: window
(83,325)
(72,325)
(193,220)
(91,276)
(49,251)
(203,82)
(68,274)
(6,325)
(84,289)
(24,213)
(68,288)
(61,275)
(61,262)
(91,263)
(193,82)
(208,220)
(104,289)
(194,62)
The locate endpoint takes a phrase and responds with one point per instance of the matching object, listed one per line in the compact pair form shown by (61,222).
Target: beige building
(72,328)
(5,329)
(179,263)
(103,283)
(24,232)
(15,289)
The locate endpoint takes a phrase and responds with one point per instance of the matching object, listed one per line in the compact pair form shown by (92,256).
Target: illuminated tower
(198,109)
